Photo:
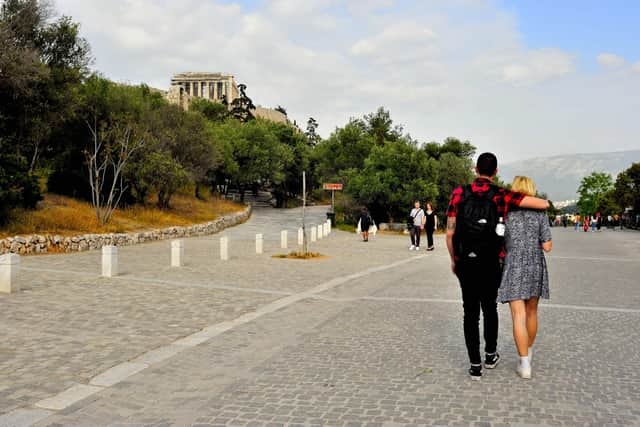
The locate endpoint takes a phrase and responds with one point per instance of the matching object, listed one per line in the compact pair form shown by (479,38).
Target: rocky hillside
(559,176)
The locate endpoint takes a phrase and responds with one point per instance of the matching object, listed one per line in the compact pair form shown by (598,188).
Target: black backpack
(476,221)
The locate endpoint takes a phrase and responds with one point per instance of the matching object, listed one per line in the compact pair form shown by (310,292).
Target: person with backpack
(365,223)
(418,219)
(475,230)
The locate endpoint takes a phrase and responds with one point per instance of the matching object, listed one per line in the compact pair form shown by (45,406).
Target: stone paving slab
(379,363)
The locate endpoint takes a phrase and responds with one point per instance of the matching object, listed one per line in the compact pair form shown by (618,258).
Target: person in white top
(418,218)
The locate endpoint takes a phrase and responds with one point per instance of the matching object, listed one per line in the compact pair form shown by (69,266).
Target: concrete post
(177,253)
(224,248)
(314,233)
(284,239)
(330,226)
(300,237)
(320,236)
(259,244)
(109,261)
(9,268)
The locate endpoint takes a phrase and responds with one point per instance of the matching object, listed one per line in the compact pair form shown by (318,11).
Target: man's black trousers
(479,281)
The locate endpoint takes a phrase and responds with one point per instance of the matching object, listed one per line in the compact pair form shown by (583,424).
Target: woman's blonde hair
(524,185)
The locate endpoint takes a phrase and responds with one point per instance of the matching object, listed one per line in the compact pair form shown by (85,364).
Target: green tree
(627,188)
(242,107)
(393,176)
(592,189)
(381,127)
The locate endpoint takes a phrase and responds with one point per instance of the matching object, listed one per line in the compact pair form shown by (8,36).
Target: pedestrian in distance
(365,223)
(418,219)
(475,226)
(586,222)
(525,279)
(430,225)
(576,224)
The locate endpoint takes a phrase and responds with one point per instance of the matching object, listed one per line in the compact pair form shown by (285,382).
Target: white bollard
(259,244)
(325,229)
(284,239)
(9,268)
(330,226)
(300,237)
(109,261)
(224,248)
(320,236)
(314,231)
(177,253)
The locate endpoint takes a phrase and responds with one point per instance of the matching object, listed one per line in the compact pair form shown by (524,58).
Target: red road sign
(334,187)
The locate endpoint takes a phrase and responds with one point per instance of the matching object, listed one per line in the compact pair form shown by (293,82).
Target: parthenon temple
(215,87)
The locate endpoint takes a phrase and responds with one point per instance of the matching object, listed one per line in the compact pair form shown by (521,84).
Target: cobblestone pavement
(372,335)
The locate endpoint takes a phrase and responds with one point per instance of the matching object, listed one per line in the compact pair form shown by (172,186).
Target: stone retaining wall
(36,244)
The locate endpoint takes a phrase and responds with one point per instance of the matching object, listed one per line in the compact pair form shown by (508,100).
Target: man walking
(475,226)
(418,219)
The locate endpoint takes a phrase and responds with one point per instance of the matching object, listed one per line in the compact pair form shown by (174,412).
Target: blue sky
(521,78)
(586,27)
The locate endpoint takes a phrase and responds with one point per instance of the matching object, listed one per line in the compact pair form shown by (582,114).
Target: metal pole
(333,198)
(304,207)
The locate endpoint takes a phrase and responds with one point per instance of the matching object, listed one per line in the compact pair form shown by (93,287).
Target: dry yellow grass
(66,216)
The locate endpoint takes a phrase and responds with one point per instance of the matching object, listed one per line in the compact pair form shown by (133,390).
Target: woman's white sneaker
(524,372)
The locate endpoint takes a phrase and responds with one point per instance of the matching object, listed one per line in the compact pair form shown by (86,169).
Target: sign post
(333,188)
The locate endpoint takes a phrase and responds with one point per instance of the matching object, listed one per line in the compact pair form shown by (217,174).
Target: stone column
(300,237)
(9,268)
(224,248)
(284,239)
(259,244)
(206,90)
(177,253)
(109,261)
(216,95)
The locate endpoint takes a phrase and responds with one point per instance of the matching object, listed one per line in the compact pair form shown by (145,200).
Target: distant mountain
(559,176)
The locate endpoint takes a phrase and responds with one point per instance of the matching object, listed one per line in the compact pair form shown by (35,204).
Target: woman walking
(365,222)
(525,278)
(430,225)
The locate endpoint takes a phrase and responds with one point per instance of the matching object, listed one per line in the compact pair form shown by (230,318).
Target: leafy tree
(42,62)
(380,126)
(393,176)
(592,189)
(253,155)
(242,107)
(627,188)
(213,111)
(346,149)
(298,160)
(312,135)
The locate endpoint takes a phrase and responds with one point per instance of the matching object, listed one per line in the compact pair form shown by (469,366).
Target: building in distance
(215,87)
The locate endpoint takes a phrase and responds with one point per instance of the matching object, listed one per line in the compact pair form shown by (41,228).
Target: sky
(520,78)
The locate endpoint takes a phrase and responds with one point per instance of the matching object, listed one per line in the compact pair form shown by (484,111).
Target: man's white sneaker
(417,248)
(524,372)
(411,247)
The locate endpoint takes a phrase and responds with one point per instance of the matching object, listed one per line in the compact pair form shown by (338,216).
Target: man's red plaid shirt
(504,199)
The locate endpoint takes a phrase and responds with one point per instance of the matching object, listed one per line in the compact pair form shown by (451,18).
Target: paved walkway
(370,335)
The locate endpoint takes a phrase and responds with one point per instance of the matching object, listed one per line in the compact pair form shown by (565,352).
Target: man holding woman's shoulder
(475,226)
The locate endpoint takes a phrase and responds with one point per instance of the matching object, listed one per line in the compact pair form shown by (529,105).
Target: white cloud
(636,67)
(443,68)
(610,60)
(538,65)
